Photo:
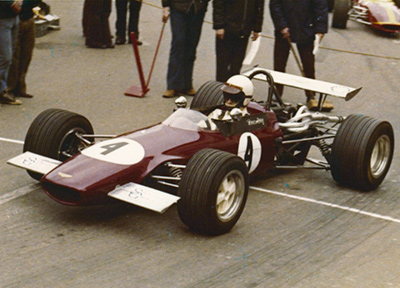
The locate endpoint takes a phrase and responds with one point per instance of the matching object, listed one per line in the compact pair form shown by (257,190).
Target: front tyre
(53,134)
(213,191)
(362,152)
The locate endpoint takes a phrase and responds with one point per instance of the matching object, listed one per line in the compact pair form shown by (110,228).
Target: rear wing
(317,86)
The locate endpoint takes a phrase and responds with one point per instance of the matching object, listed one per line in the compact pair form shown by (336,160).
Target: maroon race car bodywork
(205,172)
(85,180)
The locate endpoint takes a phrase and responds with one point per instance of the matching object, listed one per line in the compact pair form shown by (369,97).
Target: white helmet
(237,84)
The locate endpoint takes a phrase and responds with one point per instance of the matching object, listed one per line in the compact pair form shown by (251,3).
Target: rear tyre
(53,134)
(208,96)
(341,10)
(213,191)
(362,152)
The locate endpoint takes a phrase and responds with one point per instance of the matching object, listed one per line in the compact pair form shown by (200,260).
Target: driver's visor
(231,89)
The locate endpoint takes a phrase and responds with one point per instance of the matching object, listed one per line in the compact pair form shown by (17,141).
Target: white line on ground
(354,210)
(12,141)
(17,193)
(29,188)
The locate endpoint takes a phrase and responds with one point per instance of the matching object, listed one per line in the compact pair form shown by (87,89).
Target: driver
(237,91)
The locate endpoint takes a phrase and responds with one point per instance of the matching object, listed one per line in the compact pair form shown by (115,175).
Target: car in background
(383,15)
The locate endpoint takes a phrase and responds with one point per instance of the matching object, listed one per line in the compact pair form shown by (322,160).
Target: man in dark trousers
(96,26)
(133,22)
(234,21)
(23,51)
(299,22)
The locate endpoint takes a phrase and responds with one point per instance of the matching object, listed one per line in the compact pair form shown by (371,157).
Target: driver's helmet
(239,89)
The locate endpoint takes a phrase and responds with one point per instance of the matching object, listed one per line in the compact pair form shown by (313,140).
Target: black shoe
(97,46)
(24,95)
(120,40)
(7,98)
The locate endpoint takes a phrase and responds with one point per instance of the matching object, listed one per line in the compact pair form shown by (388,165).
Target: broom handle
(155,54)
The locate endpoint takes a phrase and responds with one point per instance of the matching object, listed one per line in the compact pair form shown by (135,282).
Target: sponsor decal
(258,121)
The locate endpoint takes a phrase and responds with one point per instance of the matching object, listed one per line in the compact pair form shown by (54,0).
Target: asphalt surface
(297,229)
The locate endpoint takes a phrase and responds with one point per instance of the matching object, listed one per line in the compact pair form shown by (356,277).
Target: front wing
(133,193)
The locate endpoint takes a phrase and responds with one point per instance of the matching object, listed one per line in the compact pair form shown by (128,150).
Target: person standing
(234,21)
(133,22)
(96,26)
(9,21)
(22,56)
(187,18)
(298,22)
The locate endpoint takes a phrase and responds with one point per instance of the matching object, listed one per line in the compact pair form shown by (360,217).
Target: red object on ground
(144,88)
(137,91)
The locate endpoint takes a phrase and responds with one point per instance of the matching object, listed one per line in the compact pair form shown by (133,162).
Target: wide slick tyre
(53,134)
(213,191)
(362,152)
(341,10)
(209,95)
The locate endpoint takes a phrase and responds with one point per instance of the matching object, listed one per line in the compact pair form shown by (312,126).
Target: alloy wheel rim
(230,195)
(380,156)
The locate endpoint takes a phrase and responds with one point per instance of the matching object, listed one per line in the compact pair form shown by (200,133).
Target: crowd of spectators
(234,22)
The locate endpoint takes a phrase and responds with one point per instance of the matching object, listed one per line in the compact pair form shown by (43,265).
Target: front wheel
(213,191)
(362,152)
(54,133)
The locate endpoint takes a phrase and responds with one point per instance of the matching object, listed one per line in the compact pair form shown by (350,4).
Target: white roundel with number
(118,151)
(250,150)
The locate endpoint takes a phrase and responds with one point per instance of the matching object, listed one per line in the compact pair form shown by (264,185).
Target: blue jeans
(186,31)
(8,40)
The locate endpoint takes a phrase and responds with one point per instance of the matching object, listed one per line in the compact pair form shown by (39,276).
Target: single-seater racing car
(206,172)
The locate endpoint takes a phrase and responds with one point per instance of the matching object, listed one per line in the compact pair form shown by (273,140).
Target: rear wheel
(362,152)
(208,96)
(53,134)
(341,13)
(213,191)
